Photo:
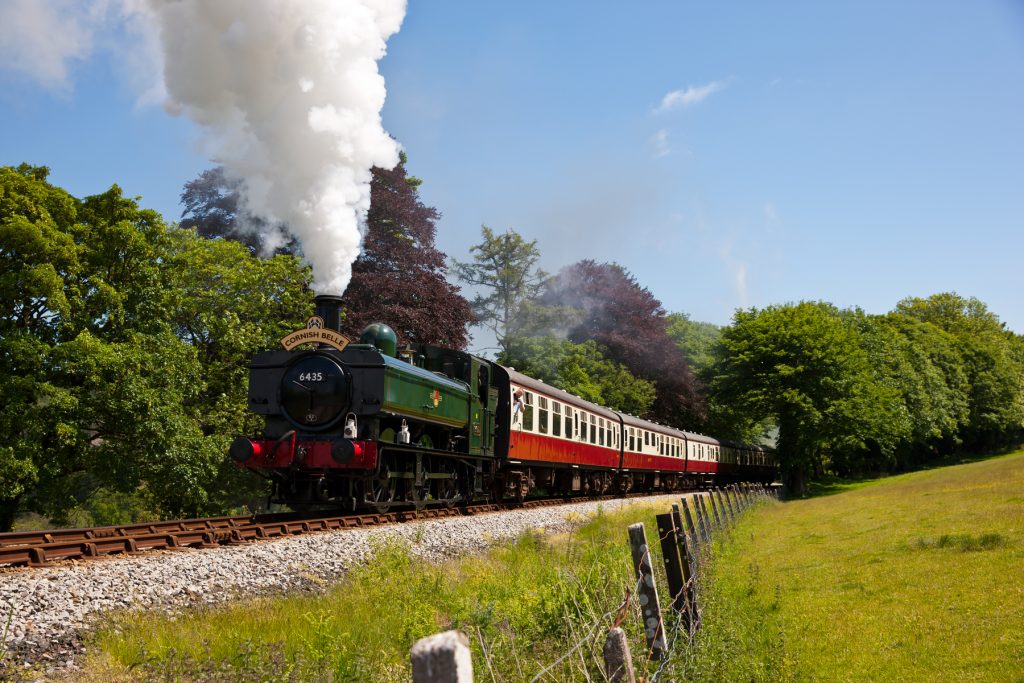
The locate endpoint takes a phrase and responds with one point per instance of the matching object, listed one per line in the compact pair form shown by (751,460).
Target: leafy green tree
(696,340)
(580,369)
(505,267)
(227,305)
(38,258)
(933,384)
(994,372)
(803,367)
(124,344)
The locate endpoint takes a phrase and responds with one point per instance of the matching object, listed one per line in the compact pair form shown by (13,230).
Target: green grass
(522,604)
(913,577)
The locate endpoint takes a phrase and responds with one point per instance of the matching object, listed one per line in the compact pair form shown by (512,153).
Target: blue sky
(729,155)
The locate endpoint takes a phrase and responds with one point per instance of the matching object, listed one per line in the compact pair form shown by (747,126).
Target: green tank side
(421,394)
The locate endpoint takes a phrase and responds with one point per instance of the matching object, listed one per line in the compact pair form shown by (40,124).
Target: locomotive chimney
(328,307)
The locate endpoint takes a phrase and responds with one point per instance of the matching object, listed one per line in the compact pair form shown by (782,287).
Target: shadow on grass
(830,485)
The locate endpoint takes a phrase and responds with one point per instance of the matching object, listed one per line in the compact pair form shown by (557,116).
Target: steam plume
(288,96)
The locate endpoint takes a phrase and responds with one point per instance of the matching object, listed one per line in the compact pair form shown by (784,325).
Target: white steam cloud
(288,97)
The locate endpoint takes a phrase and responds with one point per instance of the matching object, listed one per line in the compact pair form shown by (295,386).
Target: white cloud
(659,144)
(739,278)
(738,272)
(44,39)
(690,95)
(41,38)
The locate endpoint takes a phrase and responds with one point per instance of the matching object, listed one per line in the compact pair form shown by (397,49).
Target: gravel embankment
(49,609)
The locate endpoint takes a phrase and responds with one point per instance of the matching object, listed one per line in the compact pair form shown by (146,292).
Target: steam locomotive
(369,426)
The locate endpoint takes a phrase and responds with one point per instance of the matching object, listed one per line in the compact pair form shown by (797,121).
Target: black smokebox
(328,307)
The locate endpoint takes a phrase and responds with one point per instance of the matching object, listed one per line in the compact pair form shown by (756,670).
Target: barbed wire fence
(685,543)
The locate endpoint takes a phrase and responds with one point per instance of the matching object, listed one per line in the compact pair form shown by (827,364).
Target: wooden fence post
(442,658)
(734,503)
(695,542)
(702,522)
(654,629)
(714,509)
(618,663)
(675,568)
(726,511)
(689,568)
(702,505)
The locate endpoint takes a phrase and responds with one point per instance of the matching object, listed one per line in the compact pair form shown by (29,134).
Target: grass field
(523,605)
(915,577)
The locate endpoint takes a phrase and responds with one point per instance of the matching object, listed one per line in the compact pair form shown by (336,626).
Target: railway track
(42,548)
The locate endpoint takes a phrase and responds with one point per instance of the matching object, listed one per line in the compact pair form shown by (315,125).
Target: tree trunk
(795,481)
(8,511)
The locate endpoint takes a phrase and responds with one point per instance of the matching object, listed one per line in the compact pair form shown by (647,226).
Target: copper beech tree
(629,323)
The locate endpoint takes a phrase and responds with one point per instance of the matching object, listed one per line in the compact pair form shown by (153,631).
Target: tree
(124,344)
(934,385)
(803,367)
(696,340)
(400,278)
(993,369)
(212,207)
(505,266)
(628,322)
(580,369)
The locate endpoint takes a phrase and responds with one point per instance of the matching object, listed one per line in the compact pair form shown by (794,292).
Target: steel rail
(42,548)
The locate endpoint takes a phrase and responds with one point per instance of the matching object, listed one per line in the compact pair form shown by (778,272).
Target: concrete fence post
(442,658)
(654,629)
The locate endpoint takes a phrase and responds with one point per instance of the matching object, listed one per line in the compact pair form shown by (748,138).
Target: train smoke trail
(288,96)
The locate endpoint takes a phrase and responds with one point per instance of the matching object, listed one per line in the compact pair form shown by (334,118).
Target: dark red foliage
(400,277)
(630,323)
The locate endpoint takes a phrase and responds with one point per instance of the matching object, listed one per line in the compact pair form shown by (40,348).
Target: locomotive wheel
(447,490)
(380,489)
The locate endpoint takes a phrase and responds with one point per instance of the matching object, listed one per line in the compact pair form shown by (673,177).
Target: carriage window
(593,429)
(583,427)
(543,422)
(528,412)
(632,440)
(556,419)
(568,422)
(600,431)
